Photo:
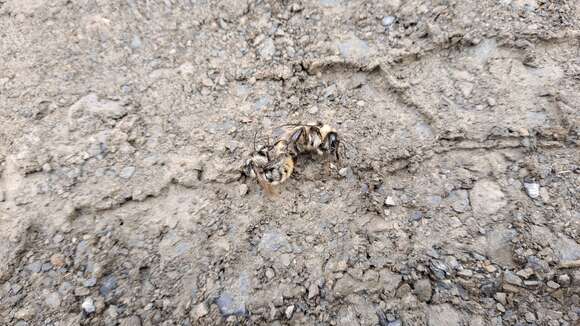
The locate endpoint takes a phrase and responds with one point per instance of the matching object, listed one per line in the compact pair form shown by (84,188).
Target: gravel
(388,20)
(423,290)
(127,172)
(511,278)
(88,305)
(34,267)
(289,312)
(553,285)
(90,282)
(108,284)
(532,189)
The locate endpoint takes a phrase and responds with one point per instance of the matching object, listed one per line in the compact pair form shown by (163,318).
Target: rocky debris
(416,216)
(57,260)
(525,273)
(127,172)
(388,20)
(52,300)
(553,285)
(443,315)
(345,172)
(26,313)
(81,291)
(467,273)
(440,270)
(34,267)
(486,197)
(82,114)
(353,48)
(530,317)
(199,311)
(389,281)
(390,201)
(564,280)
(511,278)
(108,284)
(459,200)
(345,286)
(90,282)
(500,307)
(313,291)
(88,306)
(131,321)
(566,248)
(267,49)
(243,189)
(532,189)
(135,42)
(498,246)
(501,297)
(289,312)
(423,290)
(230,305)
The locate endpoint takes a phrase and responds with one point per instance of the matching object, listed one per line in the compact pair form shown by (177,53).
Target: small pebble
(57,260)
(530,317)
(200,310)
(526,272)
(313,110)
(553,285)
(313,291)
(512,278)
(531,283)
(501,297)
(88,306)
(46,267)
(390,201)
(416,216)
(81,292)
(90,282)
(423,290)
(243,189)
(490,268)
(34,267)
(564,280)
(108,285)
(136,42)
(388,20)
(289,312)
(532,189)
(500,307)
(465,273)
(127,172)
(344,172)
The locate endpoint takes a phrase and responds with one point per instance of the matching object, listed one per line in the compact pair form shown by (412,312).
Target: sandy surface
(124,125)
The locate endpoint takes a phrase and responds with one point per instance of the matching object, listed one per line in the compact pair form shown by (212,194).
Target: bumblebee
(273,165)
(312,138)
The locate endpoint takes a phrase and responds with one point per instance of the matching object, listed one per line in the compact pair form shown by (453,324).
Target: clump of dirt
(125,126)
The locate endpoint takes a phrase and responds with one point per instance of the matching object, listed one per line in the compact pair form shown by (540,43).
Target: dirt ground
(124,126)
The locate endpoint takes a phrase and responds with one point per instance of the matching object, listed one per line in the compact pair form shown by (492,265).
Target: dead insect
(273,165)
(311,138)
